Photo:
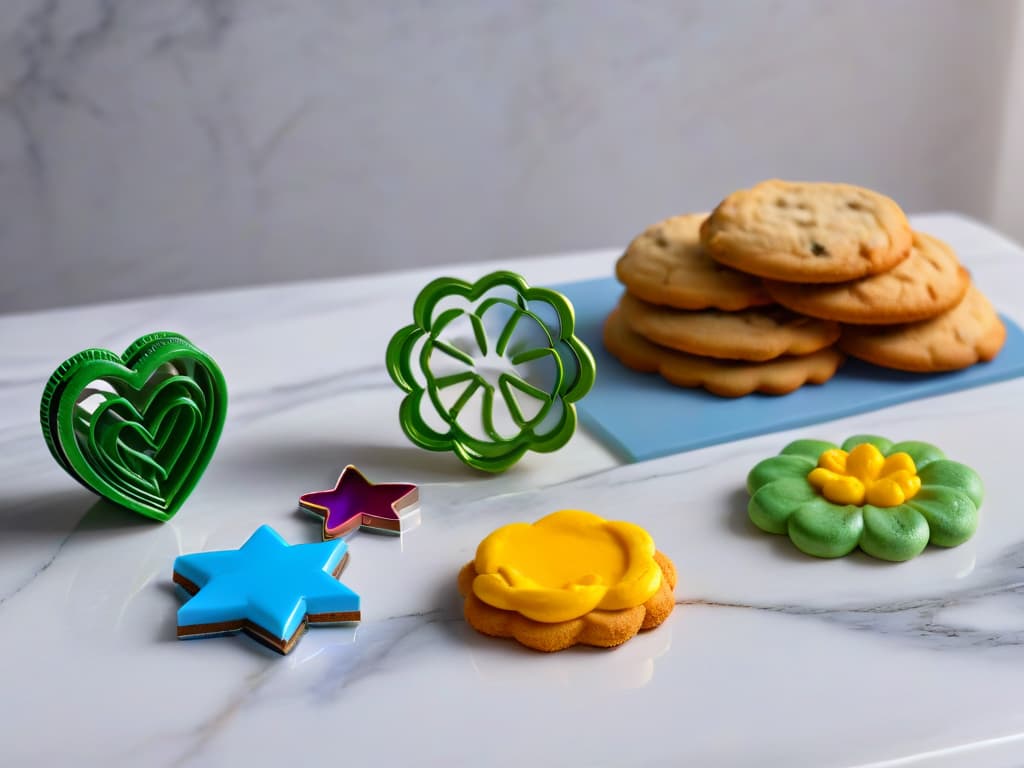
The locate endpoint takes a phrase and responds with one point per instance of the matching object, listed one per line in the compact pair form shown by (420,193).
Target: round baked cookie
(759,334)
(925,284)
(971,332)
(604,629)
(726,378)
(665,264)
(807,232)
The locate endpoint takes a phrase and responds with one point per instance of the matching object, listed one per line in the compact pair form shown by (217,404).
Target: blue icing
(269,582)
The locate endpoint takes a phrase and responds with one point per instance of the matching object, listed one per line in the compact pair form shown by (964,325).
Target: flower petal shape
(923,454)
(777,468)
(951,514)
(919,496)
(491,369)
(953,474)
(565,565)
(894,533)
(809,449)
(822,529)
(881,443)
(771,507)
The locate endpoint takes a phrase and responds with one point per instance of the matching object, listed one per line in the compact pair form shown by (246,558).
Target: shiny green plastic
(492,369)
(138,429)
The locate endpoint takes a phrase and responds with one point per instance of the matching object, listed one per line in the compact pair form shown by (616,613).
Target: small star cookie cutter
(355,503)
(491,369)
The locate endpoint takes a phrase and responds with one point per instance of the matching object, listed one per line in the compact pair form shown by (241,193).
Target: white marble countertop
(771,658)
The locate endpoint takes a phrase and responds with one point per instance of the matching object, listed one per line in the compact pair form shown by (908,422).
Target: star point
(267,587)
(355,502)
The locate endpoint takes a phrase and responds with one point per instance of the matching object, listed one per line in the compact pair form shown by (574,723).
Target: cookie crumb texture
(666,264)
(603,629)
(969,333)
(807,232)
(922,286)
(758,334)
(725,378)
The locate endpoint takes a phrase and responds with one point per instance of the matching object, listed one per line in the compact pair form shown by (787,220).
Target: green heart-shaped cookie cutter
(492,369)
(140,428)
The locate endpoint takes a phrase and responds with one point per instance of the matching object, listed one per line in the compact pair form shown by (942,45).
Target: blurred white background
(171,145)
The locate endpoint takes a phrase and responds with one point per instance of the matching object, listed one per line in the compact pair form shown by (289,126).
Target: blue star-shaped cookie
(268,588)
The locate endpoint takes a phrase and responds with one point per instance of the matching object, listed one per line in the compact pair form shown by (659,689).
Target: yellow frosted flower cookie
(571,577)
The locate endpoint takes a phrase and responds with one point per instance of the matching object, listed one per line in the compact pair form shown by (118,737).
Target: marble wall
(173,145)
(1007,210)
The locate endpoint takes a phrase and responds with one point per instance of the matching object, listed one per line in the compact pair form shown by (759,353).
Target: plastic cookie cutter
(492,369)
(139,428)
(356,503)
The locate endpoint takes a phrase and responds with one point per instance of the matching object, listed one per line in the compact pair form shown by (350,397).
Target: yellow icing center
(566,565)
(865,476)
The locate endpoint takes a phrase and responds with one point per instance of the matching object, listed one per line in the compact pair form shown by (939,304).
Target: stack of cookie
(764,293)
(701,324)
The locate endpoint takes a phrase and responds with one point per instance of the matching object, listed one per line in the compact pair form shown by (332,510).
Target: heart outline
(150,365)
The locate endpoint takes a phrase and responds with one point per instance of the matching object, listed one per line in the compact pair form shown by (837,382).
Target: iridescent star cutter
(355,503)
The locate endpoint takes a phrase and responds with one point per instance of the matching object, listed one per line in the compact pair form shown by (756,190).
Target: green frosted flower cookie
(889,499)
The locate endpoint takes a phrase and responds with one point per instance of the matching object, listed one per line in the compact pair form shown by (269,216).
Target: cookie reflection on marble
(355,504)
(102,601)
(344,642)
(966,617)
(505,663)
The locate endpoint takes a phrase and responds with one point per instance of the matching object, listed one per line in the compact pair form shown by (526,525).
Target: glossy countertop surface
(771,658)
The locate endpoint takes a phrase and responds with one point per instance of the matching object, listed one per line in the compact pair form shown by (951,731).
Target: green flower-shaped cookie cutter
(943,512)
(492,369)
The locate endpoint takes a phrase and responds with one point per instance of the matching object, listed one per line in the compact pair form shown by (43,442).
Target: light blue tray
(642,416)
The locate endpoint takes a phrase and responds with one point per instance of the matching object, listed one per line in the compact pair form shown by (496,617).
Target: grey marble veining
(771,657)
